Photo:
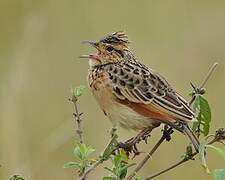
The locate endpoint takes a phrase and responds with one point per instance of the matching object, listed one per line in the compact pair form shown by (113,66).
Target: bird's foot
(130,146)
(167,131)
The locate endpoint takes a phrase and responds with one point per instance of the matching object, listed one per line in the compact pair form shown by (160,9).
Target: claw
(130,146)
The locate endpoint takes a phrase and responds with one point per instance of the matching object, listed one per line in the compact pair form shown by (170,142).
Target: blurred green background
(39,49)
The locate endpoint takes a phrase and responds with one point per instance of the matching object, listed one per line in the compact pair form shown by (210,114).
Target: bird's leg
(167,131)
(130,146)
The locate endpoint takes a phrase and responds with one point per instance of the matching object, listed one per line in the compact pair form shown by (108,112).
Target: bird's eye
(109,49)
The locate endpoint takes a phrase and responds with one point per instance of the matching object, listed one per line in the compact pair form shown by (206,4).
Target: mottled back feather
(136,83)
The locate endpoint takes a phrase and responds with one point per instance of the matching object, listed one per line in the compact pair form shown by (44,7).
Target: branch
(110,148)
(77,116)
(165,136)
(165,170)
(90,169)
(209,74)
(200,89)
(218,137)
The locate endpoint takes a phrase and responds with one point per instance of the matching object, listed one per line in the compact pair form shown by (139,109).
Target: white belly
(128,118)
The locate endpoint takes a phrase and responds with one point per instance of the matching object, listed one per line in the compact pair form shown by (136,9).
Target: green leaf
(218,150)
(110,147)
(71,165)
(219,174)
(77,153)
(78,91)
(202,156)
(137,177)
(123,155)
(90,150)
(107,178)
(195,125)
(82,151)
(196,103)
(202,109)
(120,164)
(16,177)
(123,170)
(117,160)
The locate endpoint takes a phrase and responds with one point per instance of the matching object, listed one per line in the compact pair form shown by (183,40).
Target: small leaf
(110,147)
(77,153)
(81,151)
(202,109)
(196,103)
(195,125)
(71,165)
(117,160)
(218,150)
(122,173)
(219,174)
(16,177)
(123,155)
(202,157)
(107,178)
(137,177)
(89,150)
(123,170)
(78,91)
(206,113)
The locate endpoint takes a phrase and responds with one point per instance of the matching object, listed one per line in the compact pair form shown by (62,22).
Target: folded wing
(142,89)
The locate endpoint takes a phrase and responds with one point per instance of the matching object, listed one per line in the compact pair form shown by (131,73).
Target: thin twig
(209,74)
(219,135)
(77,116)
(149,155)
(104,157)
(90,169)
(165,170)
(200,89)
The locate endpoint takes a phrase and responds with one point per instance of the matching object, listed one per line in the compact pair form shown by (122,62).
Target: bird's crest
(116,37)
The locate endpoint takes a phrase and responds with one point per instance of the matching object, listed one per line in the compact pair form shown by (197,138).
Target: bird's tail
(194,140)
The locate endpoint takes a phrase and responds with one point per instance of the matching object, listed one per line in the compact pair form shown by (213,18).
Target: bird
(131,94)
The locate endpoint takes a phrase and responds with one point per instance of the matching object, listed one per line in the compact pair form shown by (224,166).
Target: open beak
(93,44)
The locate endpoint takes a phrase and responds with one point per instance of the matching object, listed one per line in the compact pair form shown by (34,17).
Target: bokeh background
(39,49)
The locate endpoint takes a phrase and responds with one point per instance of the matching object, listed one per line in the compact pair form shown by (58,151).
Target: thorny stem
(77,116)
(219,135)
(166,133)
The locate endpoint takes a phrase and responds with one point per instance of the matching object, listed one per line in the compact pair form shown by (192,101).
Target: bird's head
(110,49)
